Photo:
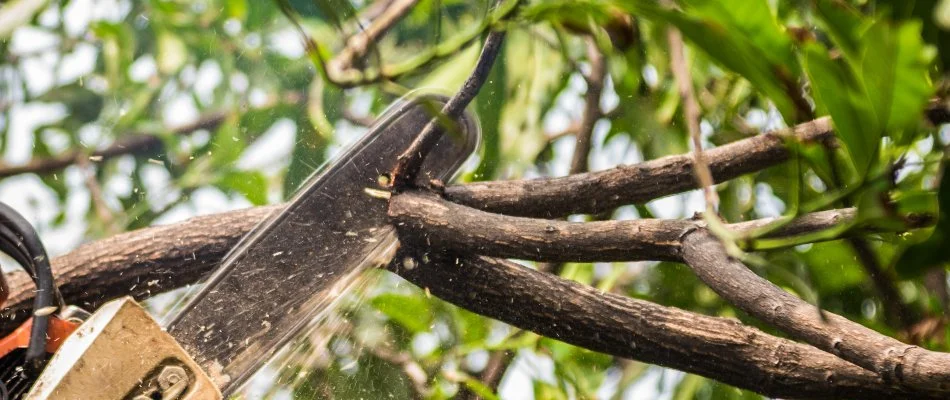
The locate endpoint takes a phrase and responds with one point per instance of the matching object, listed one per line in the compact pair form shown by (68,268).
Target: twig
(592,113)
(132,143)
(359,44)
(410,368)
(409,162)
(905,365)
(691,113)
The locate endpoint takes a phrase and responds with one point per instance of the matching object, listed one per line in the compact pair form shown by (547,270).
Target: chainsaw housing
(122,353)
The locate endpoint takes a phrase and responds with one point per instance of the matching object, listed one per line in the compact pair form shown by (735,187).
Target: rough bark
(152,260)
(596,192)
(139,263)
(898,363)
(423,218)
(719,348)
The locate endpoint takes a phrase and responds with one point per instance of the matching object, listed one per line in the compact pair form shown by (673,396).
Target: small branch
(902,364)
(359,44)
(409,162)
(127,144)
(691,113)
(592,113)
(410,368)
(596,192)
(424,219)
(353,77)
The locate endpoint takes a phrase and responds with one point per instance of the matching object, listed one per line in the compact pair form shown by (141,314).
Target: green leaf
(412,312)
(932,252)
(118,50)
(251,184)
(236,9)
(489,105)
(227,144)
(838,93)
(743,36)
(83,105)
(881,85)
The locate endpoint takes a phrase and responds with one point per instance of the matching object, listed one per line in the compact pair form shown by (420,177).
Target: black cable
(12,245)
(20,240)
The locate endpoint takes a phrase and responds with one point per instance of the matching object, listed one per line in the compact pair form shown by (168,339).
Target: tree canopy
(671,199)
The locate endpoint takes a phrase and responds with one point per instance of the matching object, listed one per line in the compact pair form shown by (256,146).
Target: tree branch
(139,263)
(719,348)
(895,362)
(424,219)
(359,44)
(409,162)
(596,192)
(152,260)
(127,144)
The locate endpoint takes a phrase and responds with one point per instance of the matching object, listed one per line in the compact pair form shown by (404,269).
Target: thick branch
(156,259)
(719,348)
(425,218)
(896,362)
(139,263)
(596,192)
(129,144)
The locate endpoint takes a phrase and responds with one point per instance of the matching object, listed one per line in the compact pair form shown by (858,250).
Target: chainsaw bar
(289,269)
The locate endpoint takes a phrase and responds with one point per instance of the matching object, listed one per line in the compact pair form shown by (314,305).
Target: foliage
(86,74)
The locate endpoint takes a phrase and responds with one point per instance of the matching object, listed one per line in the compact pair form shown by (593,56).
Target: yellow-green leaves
(413,312)
(874,83)
(171,52)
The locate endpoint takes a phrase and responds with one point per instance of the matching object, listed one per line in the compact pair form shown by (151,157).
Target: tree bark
(895,362)
(719,348)
(596,192)
(152,260)
(424,219)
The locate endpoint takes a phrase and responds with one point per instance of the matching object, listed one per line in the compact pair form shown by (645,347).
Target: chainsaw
(283,274)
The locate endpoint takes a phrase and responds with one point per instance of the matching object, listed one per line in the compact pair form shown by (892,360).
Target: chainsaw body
(120,352)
